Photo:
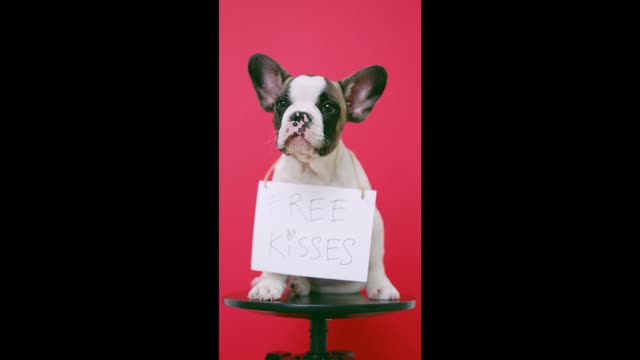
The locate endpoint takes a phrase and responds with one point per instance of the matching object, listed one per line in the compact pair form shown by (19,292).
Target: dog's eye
(328,108)
(282,103)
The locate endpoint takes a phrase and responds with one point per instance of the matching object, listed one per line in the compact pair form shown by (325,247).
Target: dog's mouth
(298,139)
(297,144)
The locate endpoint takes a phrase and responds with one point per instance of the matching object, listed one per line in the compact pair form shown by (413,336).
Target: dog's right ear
(267,78)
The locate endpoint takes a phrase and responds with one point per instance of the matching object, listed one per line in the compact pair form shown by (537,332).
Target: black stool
(318,308)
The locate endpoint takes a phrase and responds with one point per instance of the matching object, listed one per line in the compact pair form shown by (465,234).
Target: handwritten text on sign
(315,231)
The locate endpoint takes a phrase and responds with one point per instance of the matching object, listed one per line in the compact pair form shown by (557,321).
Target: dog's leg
(269,286)
(378,284)
(299,285)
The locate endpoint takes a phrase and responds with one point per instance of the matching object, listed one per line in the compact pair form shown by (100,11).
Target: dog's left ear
(362,90)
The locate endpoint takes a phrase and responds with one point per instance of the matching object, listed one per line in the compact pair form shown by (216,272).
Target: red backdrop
(334,39)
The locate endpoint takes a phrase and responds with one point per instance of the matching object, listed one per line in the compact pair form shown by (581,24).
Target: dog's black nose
(298,116)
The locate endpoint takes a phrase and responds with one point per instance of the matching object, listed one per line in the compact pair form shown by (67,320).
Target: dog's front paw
(386,292)
(299,285)
(267,289)
(255,281)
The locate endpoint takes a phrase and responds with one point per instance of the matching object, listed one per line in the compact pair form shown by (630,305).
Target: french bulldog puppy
(309,114)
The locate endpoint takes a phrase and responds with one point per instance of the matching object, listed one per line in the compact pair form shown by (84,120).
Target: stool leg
(318,348)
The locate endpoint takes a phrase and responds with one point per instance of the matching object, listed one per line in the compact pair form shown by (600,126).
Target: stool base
(318,346)
(333,355)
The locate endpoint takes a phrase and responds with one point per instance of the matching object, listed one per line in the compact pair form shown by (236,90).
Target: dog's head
(309,111)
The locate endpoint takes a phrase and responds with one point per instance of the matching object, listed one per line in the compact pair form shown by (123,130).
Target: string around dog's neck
(353,162)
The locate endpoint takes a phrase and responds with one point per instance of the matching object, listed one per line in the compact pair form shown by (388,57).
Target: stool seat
(318,308)
(328,306)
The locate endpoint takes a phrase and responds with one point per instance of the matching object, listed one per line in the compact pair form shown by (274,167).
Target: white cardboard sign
(315,231)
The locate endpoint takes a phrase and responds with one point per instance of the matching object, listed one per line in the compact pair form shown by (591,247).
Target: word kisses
(290,244)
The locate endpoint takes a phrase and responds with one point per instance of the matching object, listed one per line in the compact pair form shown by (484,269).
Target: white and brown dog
(309,114)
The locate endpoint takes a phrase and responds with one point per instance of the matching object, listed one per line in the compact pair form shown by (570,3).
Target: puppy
(309,114)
